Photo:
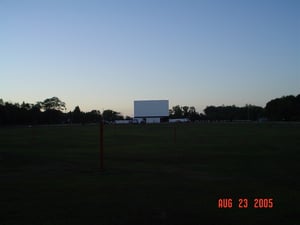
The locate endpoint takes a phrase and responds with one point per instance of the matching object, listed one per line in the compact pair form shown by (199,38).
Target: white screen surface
(151,108)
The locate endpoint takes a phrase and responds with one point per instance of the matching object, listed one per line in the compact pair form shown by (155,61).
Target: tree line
(219,113)
(53,111)
(286,108)
(49,111)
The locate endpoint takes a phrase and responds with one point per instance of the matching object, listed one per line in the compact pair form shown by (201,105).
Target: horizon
(104,55)
(65,110)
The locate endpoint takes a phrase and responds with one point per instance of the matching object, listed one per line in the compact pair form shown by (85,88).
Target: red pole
(101,145)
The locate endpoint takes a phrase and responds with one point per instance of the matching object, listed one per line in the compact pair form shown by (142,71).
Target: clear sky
(105,54)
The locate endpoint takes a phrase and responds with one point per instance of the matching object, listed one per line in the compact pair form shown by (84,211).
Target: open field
(50,175)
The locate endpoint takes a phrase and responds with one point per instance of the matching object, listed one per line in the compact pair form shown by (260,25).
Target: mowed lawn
(154,174)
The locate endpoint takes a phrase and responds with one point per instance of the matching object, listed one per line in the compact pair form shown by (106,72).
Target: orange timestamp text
(244,203)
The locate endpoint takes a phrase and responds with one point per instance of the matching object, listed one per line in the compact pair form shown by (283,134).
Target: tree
(176,112)
(77,115)
(53,103)
(285,108)
(52,110)
(110,115)
(46,112)
(26,106)
(92,116)
(192,114)
(229,113)
(53,116)
(185,110)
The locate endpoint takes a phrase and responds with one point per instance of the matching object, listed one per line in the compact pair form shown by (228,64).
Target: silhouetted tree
(286,108)
(36,115)
(110,115)
(53,103)
(230,113)
(52,116)
(193,115)
(93,116)
(176,112)
(184,112)
(77,115)
(11,113)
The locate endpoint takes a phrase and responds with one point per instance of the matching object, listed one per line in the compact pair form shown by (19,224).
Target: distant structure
(151,111)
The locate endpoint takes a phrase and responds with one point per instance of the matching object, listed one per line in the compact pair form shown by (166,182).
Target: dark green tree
(93,116)
(53,103)
(110,115)
(285,108)
(230,113)
(77,115)
(185,111)
(176,112)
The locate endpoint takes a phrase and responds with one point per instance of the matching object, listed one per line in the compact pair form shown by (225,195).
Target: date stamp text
(244,203)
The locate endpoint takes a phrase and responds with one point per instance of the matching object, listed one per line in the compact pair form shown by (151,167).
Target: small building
(122,121)
(151,111)
(179,120)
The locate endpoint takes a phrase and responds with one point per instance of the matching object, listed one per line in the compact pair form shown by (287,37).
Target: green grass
(50,175)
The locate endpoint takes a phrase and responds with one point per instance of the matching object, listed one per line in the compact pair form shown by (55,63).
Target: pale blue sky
(105,54)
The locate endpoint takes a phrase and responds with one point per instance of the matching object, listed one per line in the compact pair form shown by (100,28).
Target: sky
(100,54)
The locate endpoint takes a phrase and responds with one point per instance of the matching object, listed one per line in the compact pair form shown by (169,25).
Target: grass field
(50,175)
